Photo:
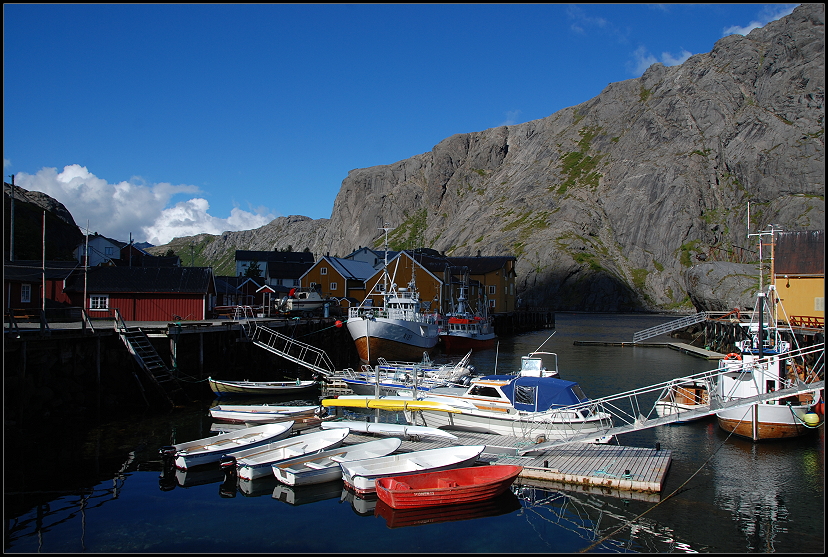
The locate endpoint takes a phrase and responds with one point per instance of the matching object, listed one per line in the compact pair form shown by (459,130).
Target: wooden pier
(680,346)
(625,472)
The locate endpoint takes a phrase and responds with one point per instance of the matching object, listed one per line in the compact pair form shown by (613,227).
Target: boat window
(578,392)
(479,390)
(525,394)
(533,365)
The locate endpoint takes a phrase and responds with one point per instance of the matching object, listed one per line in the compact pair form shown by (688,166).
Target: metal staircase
(156,370)
(291,349)
(670,326)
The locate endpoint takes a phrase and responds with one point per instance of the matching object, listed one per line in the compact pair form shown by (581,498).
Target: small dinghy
(223,387)
(361,476)
(210,449)
(254,463)
(261,413)
(321,467)
(447,487)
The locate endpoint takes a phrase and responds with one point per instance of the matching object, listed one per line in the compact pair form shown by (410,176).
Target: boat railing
(367,312)
(636,409)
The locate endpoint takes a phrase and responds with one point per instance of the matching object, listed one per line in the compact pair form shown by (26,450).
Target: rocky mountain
(61,233)
(608,204)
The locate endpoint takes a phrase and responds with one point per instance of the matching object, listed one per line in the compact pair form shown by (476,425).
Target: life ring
(733,356)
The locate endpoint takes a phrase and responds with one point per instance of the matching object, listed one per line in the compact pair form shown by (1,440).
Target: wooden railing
(807,321)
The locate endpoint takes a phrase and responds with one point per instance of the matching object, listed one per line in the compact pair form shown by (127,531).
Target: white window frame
(99,302)
(492,303)
(334,287)
(25,293)
(323,270)
(492,290)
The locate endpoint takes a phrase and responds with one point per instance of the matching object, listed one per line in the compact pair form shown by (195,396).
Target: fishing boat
(764,363)
(222,387)
(683,395)
(464,330)
(378,428)
(389,377)
(322,467)
(210,449)
(261,413)
(537,408)
(447,487)
(396,329)
(360,476)
(257,462)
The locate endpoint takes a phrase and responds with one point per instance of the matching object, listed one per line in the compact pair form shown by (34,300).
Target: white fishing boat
(389,377)
(361,475)
(261,413)
(764,364)
(536,408)
(250,464)
(683,395)
(223,387)
(210,449)
(395,329)
(323,467)
(413,431)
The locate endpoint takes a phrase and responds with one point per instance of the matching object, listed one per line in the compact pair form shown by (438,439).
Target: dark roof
(481,265)
(32,270)
(182,280)
(289,270)
(800,253)
(275,256)
(148,261)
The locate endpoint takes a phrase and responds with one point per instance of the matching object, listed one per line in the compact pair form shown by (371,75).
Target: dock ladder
(670,326)
(291,349)
(139,345)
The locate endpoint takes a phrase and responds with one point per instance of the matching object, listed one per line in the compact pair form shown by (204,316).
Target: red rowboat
(447,487)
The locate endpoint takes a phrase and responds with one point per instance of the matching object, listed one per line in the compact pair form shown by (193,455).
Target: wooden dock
(680,346)
(625,472)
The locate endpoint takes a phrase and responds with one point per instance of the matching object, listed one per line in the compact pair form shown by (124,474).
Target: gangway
(682,323)
(636,410)
(293,350)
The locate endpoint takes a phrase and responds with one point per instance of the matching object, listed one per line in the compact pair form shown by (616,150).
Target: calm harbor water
(80,487)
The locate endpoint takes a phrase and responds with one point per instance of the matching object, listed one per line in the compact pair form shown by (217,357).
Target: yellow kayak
(390,404)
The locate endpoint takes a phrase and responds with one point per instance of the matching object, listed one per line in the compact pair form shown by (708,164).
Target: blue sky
(172,120)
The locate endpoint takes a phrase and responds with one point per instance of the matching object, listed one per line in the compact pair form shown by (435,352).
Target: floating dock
(624,472)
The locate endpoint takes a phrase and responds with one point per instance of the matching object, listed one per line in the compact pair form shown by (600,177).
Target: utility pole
(11,222)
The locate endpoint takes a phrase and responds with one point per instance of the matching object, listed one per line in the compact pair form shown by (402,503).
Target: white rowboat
(323,467)
(390,429)
(254,463)
(210,449)
(361,476)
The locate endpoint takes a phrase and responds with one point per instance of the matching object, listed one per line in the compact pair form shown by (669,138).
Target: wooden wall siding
(161,308)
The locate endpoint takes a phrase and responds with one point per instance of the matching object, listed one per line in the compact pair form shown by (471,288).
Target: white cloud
(118,210)
(511,117)
(642,59)
(767,15)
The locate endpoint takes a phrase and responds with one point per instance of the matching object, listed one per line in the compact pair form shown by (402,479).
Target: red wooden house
(24,281)
(145,293)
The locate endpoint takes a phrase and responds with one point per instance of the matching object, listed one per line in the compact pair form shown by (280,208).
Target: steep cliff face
(608,203)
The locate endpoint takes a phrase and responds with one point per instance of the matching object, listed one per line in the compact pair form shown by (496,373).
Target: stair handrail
(670,326)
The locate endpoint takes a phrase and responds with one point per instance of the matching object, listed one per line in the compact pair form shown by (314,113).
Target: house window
(297,282)
(492,290)
(25,293)
(108,251)
(323,270)
(99,301)
(491,303)
(334,287)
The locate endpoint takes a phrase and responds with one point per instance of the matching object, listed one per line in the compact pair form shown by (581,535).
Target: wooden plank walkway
(614,469)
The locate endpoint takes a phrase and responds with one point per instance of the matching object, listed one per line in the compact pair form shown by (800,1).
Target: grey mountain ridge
(636,199)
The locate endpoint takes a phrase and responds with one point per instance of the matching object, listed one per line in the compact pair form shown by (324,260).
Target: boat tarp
(537,394)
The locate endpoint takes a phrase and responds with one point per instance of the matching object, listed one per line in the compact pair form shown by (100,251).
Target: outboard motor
(228,465)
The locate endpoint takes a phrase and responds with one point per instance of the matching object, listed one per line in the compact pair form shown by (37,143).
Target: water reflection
(504,503)
(302,495)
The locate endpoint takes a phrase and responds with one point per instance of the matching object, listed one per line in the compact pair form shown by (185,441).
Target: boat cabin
(532,366)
